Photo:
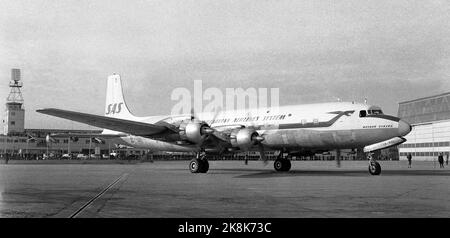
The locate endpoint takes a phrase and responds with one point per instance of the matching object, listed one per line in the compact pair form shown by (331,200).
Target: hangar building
(430,118)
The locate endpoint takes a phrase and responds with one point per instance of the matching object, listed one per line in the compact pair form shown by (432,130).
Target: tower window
(13,123)
(362,113)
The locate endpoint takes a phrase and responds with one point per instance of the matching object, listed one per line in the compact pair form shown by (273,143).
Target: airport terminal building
(430,118)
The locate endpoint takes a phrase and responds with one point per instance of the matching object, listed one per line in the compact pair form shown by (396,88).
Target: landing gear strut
(199,164)
(374,166)
(282,163)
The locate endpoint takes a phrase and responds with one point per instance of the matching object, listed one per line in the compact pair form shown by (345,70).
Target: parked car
(48,156)
(133,157)
(94,156)
(113,155)
(67,156)
(81,156)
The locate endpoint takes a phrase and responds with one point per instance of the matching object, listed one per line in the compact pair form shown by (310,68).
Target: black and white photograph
(226,109)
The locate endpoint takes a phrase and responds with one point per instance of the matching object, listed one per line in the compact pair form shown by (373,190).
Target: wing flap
(115,124)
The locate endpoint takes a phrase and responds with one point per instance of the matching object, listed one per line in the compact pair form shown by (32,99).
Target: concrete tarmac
(229,189)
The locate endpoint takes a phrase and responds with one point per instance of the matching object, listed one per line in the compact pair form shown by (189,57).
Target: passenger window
(362,113)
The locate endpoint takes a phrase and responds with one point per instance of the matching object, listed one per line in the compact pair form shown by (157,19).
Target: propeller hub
(208,130)
(259,138)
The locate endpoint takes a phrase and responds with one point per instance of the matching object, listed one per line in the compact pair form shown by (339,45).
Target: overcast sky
(314,51)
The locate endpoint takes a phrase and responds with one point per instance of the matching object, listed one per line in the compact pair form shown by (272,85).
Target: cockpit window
(375,112)
(362,113)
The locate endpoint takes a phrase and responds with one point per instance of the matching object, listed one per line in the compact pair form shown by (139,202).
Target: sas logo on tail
(114,108)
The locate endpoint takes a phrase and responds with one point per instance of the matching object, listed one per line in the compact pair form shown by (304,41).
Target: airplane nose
(403,128)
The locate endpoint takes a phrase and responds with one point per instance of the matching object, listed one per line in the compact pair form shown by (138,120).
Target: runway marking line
(81,209)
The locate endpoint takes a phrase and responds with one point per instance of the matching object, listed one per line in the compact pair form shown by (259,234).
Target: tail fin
(115,103)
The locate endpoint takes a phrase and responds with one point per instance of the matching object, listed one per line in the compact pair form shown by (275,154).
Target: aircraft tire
(278,165)
(374,168)
(288,165)
(204,166)
(195,166)
(282,165)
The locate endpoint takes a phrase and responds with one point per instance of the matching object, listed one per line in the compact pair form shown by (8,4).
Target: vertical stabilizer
(115,103)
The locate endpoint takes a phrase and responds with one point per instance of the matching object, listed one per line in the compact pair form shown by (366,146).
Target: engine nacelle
(244,138)
(193,131)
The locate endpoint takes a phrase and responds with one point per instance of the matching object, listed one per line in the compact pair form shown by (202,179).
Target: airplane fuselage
(337,125)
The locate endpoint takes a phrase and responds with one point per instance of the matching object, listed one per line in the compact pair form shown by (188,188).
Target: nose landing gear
(374,166)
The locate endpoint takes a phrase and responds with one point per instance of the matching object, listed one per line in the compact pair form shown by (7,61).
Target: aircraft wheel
(282,165)
(195,165)
(204,166)
(374,168)
(288,165)
(278,165)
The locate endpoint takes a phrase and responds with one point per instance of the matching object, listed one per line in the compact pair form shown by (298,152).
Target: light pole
(90,144)
(68,147)
(109,149)
(4,145)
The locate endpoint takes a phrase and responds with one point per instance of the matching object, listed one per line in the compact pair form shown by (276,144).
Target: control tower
(14,120)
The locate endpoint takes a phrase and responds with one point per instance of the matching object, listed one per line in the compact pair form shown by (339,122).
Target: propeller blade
(252,122)
(217,111)
(262,155)
(192,114)
(210,130)
(338,161)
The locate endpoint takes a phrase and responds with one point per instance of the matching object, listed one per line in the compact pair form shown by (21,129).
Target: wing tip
(44,110)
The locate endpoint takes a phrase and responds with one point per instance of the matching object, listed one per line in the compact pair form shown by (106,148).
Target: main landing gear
(199,164)
(282,163)
(374,166)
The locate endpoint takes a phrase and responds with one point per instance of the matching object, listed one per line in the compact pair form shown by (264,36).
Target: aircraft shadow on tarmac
(344,173)
(264,173)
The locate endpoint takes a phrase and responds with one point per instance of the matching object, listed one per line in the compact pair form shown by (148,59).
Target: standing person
(441,160)
(446,161)
(409,157)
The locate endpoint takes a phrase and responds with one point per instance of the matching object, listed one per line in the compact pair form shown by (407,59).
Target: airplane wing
(87,135)
(115,124)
